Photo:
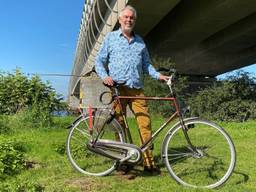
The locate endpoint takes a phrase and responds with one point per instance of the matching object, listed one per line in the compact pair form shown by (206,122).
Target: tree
(19,93)
(231,99)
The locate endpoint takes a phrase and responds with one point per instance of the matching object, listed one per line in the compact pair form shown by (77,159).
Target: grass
(50,170)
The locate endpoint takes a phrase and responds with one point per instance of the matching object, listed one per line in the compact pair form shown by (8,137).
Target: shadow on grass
(244,177)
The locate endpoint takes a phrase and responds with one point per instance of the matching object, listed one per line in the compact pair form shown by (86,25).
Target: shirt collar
(121,34)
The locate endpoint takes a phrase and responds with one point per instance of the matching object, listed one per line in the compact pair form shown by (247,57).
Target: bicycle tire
(218,155)
(84,160)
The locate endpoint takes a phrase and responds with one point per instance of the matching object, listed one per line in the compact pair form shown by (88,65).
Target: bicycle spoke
(83,133)
(179,158)
(174,152)
(79,141)
(179,154)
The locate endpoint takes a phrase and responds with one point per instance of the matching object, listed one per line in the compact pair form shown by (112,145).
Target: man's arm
(100,62)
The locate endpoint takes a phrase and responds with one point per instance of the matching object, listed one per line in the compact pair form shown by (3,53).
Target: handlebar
(170,71)
(115,85)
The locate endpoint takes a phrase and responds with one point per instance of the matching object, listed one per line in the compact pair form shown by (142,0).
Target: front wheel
(83,159)
(211,162)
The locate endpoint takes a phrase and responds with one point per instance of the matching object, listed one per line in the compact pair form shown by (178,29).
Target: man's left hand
(164,77)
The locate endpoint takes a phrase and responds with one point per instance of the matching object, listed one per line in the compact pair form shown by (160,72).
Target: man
(127,58)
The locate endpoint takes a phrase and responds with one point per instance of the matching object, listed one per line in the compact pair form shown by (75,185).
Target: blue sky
(251,69)
(40,37)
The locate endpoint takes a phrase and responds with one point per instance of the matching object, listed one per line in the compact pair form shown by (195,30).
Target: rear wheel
(81,158)
(212,163)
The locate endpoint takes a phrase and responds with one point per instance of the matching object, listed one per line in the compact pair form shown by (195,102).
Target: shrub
(29,98)
(4,128)
(12,158)
(18,92)
(231,99)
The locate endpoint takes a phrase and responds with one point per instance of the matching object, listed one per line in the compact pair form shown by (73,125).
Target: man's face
(127,20)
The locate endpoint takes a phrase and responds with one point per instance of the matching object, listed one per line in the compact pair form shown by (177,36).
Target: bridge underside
(202,37)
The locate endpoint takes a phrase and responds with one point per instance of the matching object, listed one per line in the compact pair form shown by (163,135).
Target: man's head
(127,18)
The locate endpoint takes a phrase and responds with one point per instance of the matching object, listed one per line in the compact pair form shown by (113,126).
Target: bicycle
(196,152)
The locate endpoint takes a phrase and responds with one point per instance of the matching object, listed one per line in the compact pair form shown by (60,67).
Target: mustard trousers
(140,110)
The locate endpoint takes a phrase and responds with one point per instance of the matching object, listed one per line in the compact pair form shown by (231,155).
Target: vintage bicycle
(196,152)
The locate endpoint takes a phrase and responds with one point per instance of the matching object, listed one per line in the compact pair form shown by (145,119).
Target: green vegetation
(46,167)
(21,94)
(25,104)
(232,99)
(32,141)
(12,159)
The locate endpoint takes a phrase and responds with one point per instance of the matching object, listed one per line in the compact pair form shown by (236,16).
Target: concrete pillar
(73,102)
(91,88)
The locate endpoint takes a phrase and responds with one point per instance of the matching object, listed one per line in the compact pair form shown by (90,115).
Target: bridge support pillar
(91,88)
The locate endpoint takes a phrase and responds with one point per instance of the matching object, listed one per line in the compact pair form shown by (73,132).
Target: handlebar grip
(116,84)
(163,69)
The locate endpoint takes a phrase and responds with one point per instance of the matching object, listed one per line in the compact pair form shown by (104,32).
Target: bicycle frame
(177,113)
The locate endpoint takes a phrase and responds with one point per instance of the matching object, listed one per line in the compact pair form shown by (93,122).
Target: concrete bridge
(204,38)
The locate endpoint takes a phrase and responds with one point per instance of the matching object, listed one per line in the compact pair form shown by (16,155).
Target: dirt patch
(32,165)
(86,184)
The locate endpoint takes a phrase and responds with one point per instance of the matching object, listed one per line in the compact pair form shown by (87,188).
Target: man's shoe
(124,169)
(152,170)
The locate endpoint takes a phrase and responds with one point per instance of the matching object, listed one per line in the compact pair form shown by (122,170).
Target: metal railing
(99,17)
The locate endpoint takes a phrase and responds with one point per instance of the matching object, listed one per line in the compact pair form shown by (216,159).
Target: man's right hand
(108,81)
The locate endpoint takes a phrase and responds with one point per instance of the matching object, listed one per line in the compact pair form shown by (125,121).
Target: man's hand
(108,81)
(163,77)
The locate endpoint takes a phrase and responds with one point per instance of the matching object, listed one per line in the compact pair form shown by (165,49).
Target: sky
(40,37)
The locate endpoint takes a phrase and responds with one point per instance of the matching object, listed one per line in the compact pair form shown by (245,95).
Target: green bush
(18,92)
(239,110)
(28,99)
(231,99)
(4,127)
(12,158)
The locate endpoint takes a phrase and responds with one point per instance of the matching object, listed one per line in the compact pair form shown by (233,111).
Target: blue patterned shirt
(125,61)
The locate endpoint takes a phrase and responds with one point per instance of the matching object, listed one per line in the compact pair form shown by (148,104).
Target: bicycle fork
(196,153)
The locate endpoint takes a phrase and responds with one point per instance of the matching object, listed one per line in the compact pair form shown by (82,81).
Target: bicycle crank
(124,152)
